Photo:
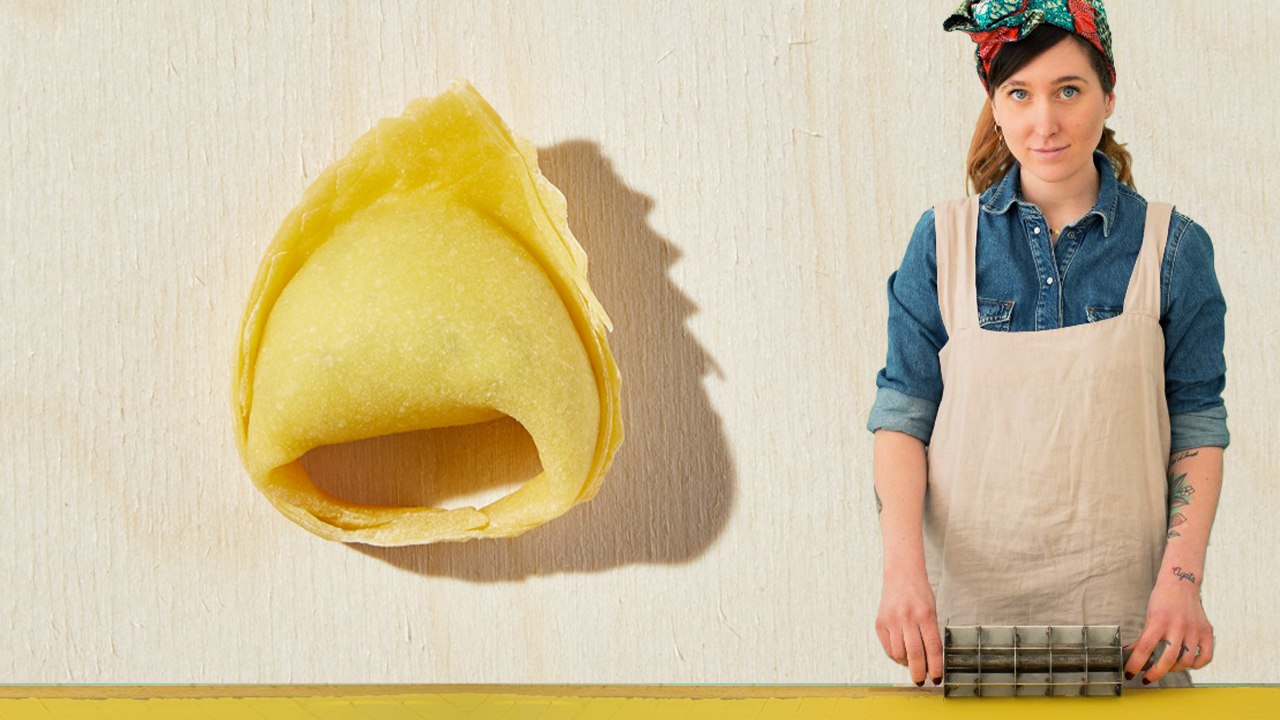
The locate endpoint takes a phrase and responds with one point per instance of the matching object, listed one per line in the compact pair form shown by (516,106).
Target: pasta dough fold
(428,279)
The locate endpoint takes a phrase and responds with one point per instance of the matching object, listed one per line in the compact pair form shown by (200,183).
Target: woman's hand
(1174,613)
(908,626)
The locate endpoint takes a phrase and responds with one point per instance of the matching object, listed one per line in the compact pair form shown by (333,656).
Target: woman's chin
(1054,170)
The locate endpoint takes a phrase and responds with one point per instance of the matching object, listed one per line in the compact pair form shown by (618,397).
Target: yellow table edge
(616,702)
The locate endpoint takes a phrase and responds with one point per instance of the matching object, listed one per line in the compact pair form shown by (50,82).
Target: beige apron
(1047,465)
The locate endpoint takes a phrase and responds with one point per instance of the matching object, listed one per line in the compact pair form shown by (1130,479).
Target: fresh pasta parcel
(427,280)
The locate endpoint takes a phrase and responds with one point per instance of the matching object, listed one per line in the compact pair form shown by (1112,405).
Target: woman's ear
(1111,103)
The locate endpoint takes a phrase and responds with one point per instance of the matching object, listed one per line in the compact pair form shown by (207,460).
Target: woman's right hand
(908,626)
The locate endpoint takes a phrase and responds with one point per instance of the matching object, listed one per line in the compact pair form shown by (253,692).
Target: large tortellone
(428,279)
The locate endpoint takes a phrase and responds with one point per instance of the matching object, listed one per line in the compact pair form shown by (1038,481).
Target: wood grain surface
(744,177)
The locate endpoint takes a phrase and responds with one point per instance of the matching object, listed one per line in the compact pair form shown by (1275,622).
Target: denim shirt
(1090,265)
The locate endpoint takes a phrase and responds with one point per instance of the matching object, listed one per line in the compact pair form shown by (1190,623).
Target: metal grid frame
(1033,660)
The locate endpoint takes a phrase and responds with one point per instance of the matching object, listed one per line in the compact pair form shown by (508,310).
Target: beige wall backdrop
(744,176)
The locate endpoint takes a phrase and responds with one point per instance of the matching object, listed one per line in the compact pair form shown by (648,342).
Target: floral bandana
(992,23)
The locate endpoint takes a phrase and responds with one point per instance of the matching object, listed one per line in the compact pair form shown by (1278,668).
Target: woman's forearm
(900,467)
(1195,482)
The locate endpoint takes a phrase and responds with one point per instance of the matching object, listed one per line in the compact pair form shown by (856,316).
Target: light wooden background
(744,176)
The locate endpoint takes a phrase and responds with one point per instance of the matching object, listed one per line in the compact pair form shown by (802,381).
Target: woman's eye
(1070,91)
(1018,94)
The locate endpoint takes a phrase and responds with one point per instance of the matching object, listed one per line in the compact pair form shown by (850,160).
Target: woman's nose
(1046,119)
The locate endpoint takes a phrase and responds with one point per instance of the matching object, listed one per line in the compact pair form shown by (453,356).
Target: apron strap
(956,230)
(1143,294)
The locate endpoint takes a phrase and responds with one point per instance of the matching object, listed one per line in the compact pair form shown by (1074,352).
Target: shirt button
(1049,281)
(1071,234)
(1036,230)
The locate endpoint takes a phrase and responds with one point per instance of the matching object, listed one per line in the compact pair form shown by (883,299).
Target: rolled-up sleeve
(909,387)
(1194,334)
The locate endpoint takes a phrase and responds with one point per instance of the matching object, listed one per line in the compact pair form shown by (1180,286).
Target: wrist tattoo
(1189,577)
(879,505)
(1180,492)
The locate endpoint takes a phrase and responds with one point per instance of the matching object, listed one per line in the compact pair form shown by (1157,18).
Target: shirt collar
(1000,197)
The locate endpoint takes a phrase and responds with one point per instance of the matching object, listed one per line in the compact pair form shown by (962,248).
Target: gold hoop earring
(1000,134)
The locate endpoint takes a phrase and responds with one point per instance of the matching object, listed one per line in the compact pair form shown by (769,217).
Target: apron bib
(1046,499)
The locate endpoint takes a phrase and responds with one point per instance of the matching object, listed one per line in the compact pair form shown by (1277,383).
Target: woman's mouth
(1049,153)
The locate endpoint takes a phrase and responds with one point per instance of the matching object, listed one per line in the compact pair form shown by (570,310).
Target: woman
(1054,375)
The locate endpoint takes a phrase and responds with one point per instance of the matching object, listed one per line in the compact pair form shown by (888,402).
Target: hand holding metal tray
(1004,661)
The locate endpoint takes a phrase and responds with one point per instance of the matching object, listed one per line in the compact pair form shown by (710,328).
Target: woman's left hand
(1175,614)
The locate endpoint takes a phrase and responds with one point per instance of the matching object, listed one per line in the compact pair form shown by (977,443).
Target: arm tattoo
(879,505)
(1189,577)
(1180,492)
(1183,456)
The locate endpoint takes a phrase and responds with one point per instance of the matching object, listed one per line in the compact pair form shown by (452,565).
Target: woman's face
(1052,112)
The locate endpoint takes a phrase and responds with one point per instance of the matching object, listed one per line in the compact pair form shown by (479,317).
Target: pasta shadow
(668,494)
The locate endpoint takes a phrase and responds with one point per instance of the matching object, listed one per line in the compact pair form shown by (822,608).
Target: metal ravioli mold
(1033,660)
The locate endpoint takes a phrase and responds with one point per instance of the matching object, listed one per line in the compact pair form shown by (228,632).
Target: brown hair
(989,158)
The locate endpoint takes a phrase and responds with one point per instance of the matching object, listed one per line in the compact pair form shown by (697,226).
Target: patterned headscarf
(992,23)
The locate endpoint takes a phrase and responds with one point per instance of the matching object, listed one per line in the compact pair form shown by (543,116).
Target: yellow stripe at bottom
(621,703)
